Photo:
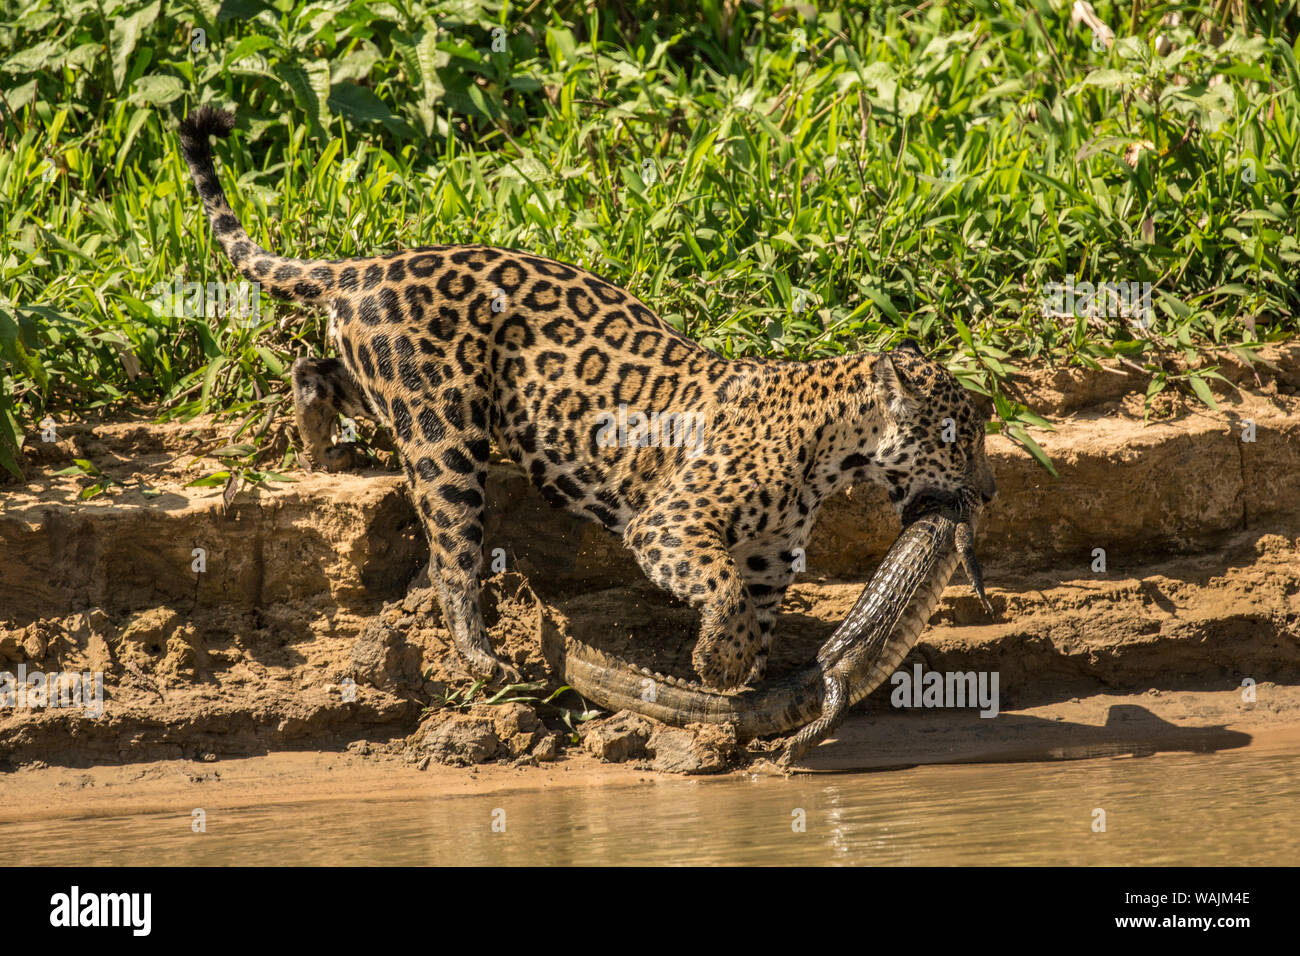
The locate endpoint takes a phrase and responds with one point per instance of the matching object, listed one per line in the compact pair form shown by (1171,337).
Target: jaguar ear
(891,389)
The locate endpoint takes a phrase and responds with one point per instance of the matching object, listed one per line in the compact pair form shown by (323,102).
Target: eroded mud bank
(299,631)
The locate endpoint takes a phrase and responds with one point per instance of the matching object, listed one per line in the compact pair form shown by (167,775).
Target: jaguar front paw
(724,663)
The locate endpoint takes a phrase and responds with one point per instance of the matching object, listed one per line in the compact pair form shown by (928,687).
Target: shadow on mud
(869,743)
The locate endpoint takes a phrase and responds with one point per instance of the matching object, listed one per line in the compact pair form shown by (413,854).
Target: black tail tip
(207,121)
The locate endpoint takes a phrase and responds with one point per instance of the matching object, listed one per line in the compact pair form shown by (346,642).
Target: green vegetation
(773,180)
(464,698)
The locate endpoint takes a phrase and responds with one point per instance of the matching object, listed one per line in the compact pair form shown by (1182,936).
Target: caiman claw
(964,542)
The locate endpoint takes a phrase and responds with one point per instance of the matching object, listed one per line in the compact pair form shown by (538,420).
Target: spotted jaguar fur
(455,347)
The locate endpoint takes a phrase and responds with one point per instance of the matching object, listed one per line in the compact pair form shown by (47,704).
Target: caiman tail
(864,651)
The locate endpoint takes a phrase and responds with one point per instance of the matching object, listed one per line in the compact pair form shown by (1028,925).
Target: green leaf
(90,492)
(883,302)
(1032,418)
(558,691)
(33,58)
(138,119)
(156,90)
(247,47)
(273,364)
(1018,434)
(503,695)
(1105,79)
(215,480)
(1202,391)
(9,461)
(964,333)
(126,33)
(234,451)
(243,10)
(295,77)
(357,104)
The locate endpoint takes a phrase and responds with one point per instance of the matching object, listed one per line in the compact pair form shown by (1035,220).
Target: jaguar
(452,348)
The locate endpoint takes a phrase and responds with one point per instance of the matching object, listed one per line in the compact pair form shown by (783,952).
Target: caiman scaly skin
(865,649)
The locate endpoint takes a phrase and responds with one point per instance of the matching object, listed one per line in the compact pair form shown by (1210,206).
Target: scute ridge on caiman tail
(869,644)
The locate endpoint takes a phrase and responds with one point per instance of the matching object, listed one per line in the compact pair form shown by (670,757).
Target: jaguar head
(932,446)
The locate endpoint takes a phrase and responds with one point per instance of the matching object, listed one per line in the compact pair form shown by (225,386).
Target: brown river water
(1234,807)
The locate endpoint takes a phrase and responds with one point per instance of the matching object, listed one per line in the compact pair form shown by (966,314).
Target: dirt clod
(696,749)
(516,725)
(547,749)
(382,657)
(618,738)
(460,740)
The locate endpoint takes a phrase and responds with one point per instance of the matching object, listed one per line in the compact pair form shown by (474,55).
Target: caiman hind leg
(835,704)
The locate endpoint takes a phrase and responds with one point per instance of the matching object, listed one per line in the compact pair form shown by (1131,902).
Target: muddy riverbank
(295,631)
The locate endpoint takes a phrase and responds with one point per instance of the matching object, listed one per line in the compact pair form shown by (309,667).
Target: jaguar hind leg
(444,452)
(323,390)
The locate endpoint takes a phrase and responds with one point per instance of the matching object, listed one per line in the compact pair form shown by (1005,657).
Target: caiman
(859,656)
